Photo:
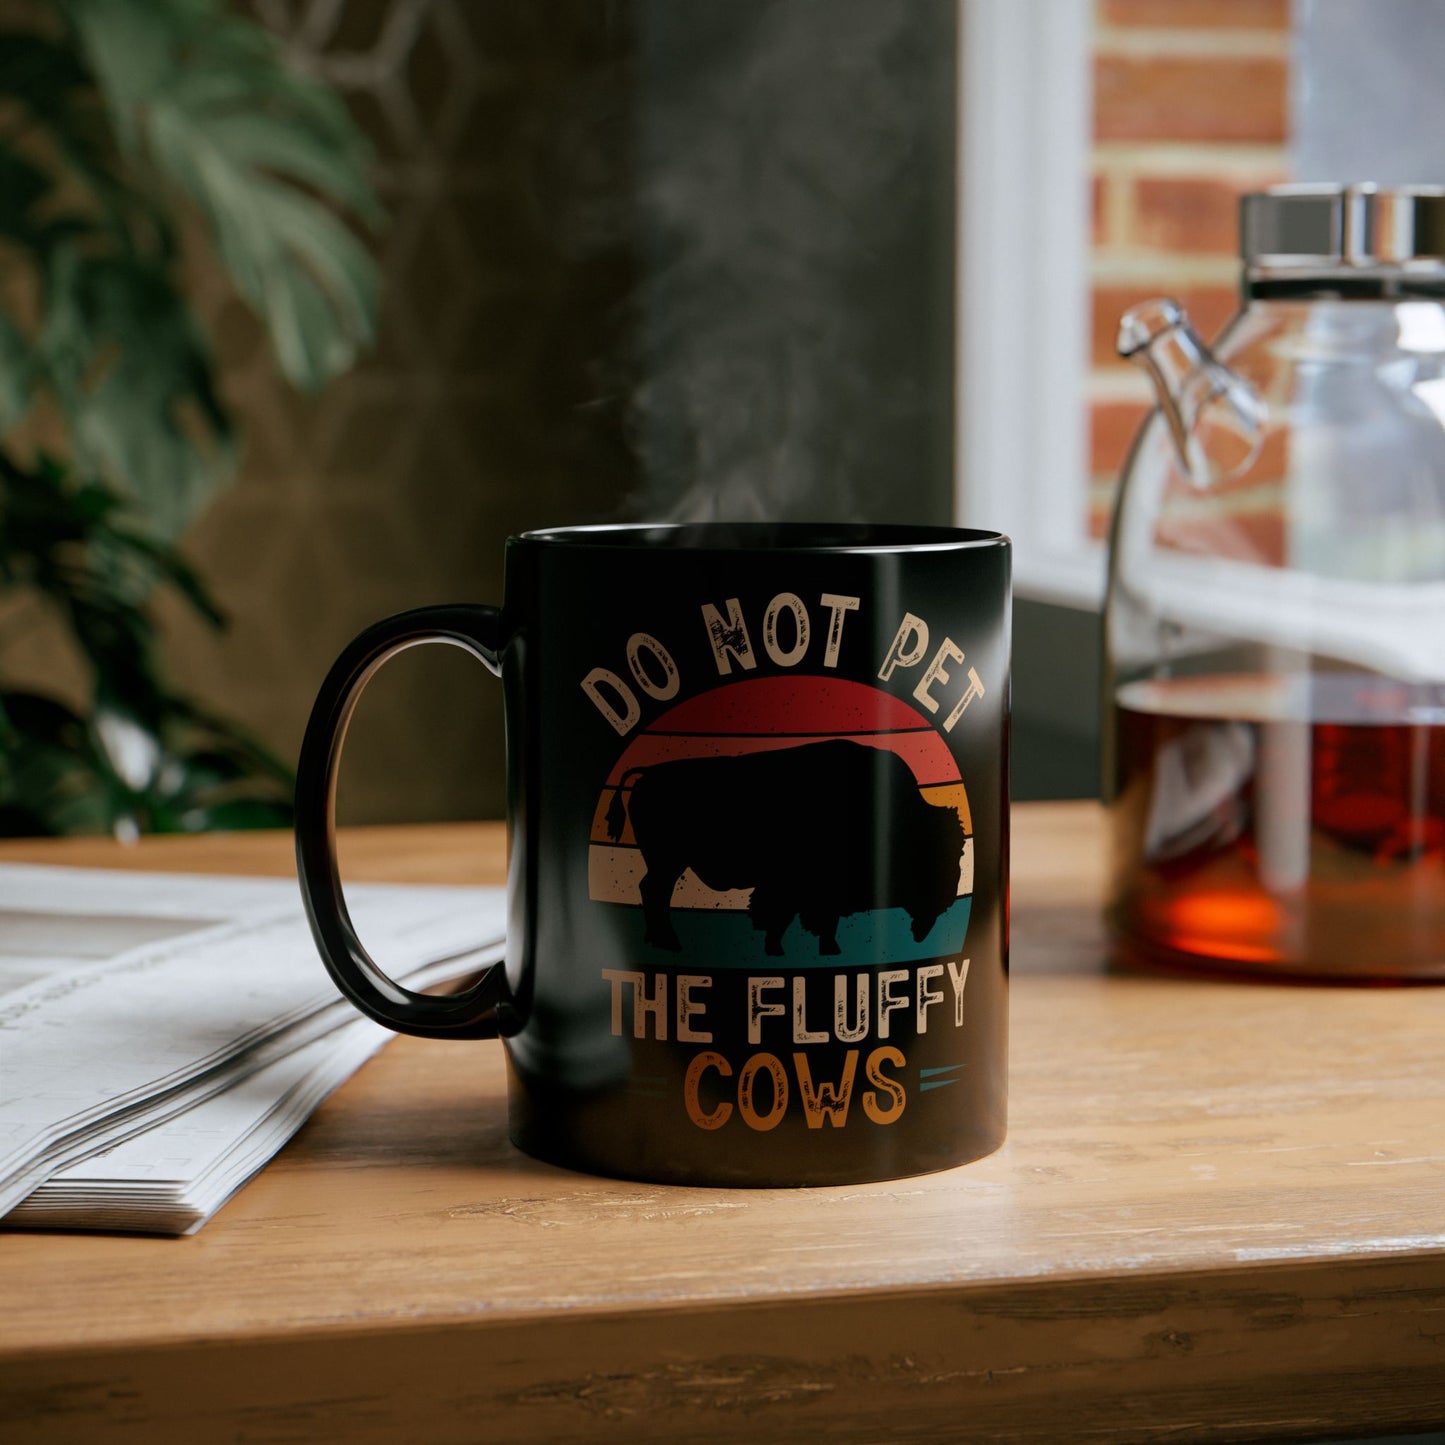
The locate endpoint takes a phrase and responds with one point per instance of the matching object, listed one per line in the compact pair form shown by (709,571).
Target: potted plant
(128,129)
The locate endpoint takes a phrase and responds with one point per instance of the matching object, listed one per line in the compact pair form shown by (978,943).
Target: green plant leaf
(263,151)
(74,546)
(169,566)
(60,774)
(134,378)
(22,186)
(111,117)
(49,782)
(219,737)
(38,72)
(54,97)
(17,371)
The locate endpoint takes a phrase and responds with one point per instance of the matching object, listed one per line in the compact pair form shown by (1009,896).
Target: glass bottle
(1275,622)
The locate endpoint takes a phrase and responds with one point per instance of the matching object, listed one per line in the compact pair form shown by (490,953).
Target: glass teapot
(1275,623)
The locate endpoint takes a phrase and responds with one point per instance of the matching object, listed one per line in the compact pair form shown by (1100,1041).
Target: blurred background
(630,258)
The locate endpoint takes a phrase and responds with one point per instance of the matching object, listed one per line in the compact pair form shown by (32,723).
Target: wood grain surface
(1220,1214)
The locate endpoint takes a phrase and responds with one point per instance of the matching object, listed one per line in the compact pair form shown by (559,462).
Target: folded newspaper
(161,1036)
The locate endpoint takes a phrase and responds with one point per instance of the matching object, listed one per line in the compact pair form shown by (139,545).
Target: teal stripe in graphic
(932,1078)
(882,935)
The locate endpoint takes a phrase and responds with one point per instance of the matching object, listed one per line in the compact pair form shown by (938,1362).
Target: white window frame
(1021,442)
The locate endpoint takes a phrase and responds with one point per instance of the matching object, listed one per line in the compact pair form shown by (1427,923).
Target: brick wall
(1190,111)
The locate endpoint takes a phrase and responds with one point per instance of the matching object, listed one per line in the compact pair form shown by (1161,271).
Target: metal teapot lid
(1328,228)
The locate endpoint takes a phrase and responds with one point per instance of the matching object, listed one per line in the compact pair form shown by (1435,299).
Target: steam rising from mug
(790,333)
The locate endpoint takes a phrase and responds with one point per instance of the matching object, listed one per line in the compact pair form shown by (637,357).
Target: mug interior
(768,536)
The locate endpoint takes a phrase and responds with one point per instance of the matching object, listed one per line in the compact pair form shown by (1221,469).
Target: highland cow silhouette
(804,827)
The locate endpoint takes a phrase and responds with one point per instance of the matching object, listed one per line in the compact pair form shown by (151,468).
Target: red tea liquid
(1281,825)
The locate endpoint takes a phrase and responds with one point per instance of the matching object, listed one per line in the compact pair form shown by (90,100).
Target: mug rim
(780,537)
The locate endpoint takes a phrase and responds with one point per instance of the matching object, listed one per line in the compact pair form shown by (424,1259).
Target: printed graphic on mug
(740,826)
(787,854)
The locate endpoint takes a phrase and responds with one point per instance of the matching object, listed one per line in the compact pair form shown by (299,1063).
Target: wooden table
(1220,1214)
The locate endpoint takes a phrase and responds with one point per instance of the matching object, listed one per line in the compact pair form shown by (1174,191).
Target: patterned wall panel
(478,415)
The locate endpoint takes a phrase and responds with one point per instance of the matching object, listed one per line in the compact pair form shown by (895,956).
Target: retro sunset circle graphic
(740,829)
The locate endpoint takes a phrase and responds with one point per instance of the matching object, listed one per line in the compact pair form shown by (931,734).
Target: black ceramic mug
(758,877)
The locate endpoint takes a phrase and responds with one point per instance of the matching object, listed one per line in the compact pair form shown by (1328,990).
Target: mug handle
(471,1014)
